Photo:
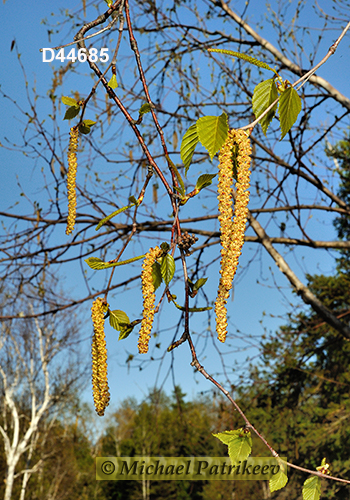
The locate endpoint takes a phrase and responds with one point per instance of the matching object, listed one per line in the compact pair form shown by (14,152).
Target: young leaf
(204,181)
(125,332)
(265,94)
(72,112)
(165,247)
(156,275)
(212,132)
(279,480)
(145,108)
(199,283)
(85,127)
(113,82)
(192,309)
(245,57)
(181,188)
(109,217)
(118,319)
(188,145)
(97,264)
(289,108)
(89,123)
(312,488)
(324,467)
(167,268)
(239,443)
(69,101)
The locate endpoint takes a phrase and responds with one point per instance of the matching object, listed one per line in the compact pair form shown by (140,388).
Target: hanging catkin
(71,178)
(148,298)
(232,222)
(100,387)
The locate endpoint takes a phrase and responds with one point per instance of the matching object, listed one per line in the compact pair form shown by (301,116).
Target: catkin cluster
(148,298)
(71,178)
(100,387)
(232,229)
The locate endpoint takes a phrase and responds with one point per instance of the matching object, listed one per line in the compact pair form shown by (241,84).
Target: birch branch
(317,80)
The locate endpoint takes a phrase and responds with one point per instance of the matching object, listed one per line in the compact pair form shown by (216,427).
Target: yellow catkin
(100,387)
(71,178)
(232,231)
(148,298)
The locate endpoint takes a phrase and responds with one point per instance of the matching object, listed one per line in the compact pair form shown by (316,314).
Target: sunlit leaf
(118,319)
(279,480)
(212,132)
(312,488)
(89,123)
(69,101)
(188,145)
(289,108)
(239,443)
(98,264)
(113,82)
(167,267)
(264,95)
(199,283)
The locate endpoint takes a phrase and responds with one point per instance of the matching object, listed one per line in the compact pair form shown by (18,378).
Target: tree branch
(307,296)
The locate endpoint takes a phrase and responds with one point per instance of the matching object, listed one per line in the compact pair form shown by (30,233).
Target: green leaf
(156,275)
(239,443)
(118,319)
(167,268)
(89,123)
(188,145)
(204,181)
(69,101)
(199,283)
(71,112)
(212,132)
(165,247)
(113,82)
(279,481)
(312,488)
(98,264)
(145,108)
(109,217)
(245,57)
(264,95)
(84,127)
(192,309)
(289,108)
(125,332)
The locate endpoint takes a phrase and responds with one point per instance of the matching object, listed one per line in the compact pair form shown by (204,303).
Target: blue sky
(247,309)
